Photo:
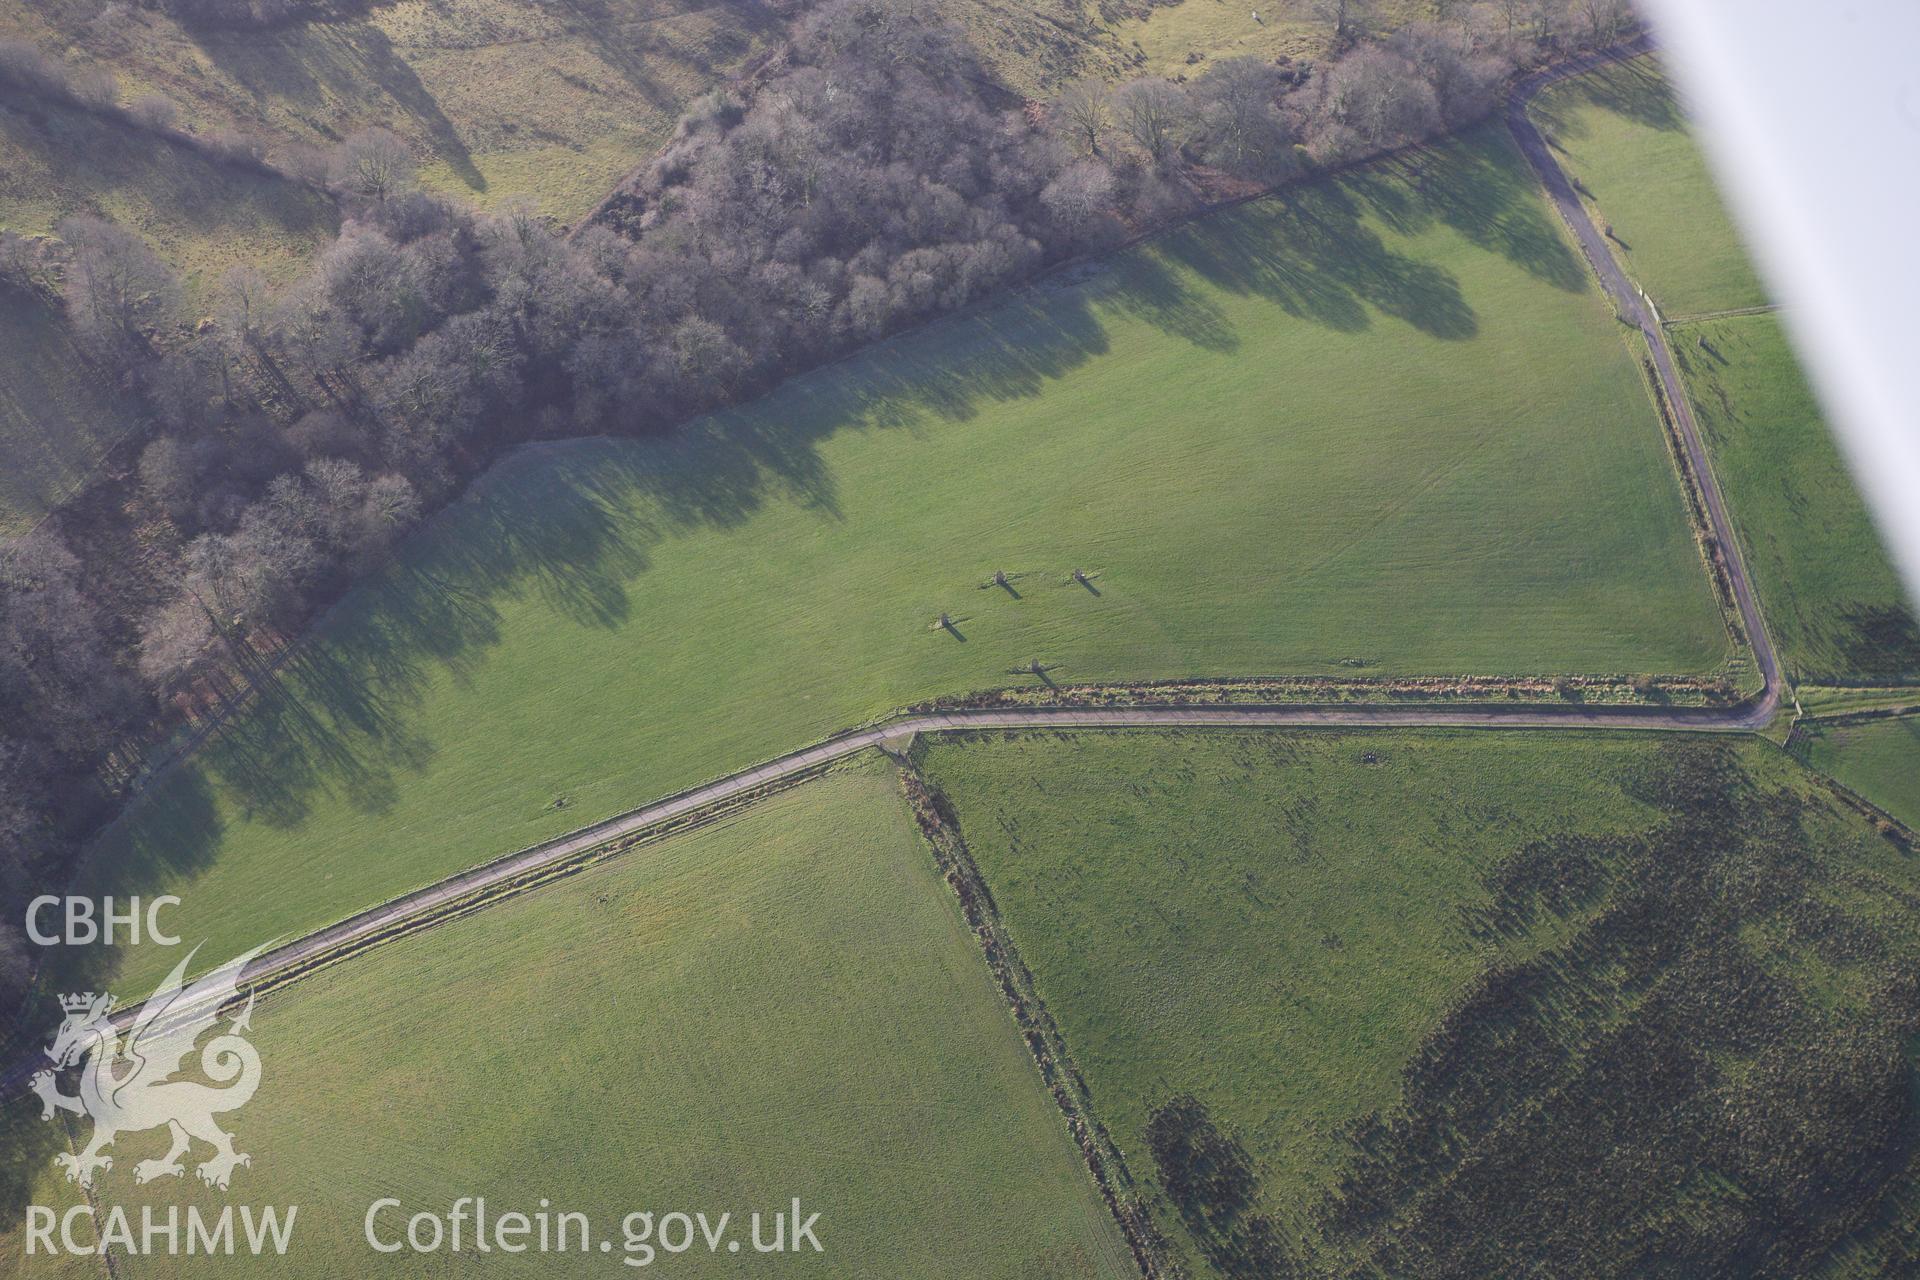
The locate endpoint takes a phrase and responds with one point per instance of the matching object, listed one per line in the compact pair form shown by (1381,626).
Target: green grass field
(787,1004)
(1278,927)
(200,216)
(1184,36)
(1831,598)
(1271,923)
(1879,759)
(1346,431)
(57,415)
(1622,134)
(496,97)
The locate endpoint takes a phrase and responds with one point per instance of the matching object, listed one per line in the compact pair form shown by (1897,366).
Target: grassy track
(1622,134)
(1831,597)
(56,413)
(785,1005)
(1352,431)
(1880,759)
(1273,925)
(1269,922)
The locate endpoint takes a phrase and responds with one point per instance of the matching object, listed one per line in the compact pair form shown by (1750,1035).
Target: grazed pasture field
(785,1004)
(1879,759)
(1183,37)
(1621,132)
(200,216)
(1836,607)
(1830,596)
(1270,922)
(1390,983)
(496,97)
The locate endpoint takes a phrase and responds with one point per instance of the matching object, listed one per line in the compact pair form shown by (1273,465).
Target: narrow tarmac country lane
(1634,307)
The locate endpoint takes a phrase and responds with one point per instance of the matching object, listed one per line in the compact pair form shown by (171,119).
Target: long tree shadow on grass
(1634,90)
(319,65)
(634,46)
(1483,189)
(91,159)
(1311,251)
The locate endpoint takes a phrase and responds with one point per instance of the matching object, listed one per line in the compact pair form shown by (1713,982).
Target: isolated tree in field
(116,289)
(1155,114)
(372,164)
(1082,112)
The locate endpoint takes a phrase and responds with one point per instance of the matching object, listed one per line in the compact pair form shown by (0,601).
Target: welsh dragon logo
(126,1088)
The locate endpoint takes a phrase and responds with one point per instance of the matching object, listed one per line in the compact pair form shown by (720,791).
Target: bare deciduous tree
(1605,19)
(1370,100)
(243,307)
(373,164)
(152,111)
(94,87)
(1465,81)
(1155,114)
(1081,111)
(1241,127)
(1082,192)
(116,289)
(1346,18)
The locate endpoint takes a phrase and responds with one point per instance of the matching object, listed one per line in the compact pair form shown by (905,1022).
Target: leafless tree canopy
(1155,115)
(372,164)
